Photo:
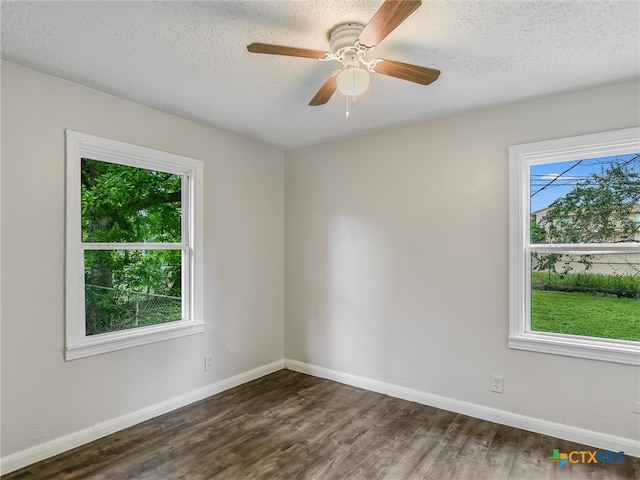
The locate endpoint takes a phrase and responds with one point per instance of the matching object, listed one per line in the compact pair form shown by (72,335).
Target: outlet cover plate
(497,383)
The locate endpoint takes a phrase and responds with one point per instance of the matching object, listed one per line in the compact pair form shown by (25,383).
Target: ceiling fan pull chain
(353,103)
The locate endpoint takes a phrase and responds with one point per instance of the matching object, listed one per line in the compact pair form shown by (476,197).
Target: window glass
(129,204)
(595,295)
(131,288)
(592,201)
(585,201)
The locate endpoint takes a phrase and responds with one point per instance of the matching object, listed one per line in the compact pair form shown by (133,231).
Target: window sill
(616,351)
(110,342)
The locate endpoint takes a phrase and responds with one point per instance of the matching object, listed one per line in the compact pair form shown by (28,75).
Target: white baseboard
(62,444)
(566,432)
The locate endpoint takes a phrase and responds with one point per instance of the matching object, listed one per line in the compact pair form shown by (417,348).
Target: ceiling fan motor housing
(344,36)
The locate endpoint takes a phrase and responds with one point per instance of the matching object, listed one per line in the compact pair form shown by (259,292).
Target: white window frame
(77,343)
(521,158)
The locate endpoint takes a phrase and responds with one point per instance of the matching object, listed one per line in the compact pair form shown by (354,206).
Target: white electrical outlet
(636,407)
(208,363)
(496,383)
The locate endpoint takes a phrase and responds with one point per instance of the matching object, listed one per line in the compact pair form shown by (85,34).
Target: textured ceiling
(190,58)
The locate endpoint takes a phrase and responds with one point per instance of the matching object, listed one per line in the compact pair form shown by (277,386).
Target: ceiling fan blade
(391,14)
(288,51)
(326,90)
(406,71)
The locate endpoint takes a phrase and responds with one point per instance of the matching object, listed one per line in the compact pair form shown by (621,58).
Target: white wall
(45,398)
(396,263)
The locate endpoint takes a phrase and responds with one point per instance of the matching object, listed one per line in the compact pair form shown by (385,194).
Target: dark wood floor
(293,426)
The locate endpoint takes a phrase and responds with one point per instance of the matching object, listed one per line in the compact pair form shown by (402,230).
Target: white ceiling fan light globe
(352,81)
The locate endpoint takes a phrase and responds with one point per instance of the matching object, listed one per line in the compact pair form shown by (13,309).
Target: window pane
(131,288)
(129,204)
(586,201)
(590,295)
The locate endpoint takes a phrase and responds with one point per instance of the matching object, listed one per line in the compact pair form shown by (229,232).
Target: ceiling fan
(350,43)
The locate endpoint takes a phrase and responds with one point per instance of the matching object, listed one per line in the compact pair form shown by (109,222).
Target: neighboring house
(538,216)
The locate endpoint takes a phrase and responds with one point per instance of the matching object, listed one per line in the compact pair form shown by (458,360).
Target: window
(574,254)
(133,246)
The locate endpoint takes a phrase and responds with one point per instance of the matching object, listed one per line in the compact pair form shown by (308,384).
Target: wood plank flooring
(293,426)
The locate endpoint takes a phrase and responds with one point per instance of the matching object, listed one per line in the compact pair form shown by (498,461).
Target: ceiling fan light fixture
(352,81)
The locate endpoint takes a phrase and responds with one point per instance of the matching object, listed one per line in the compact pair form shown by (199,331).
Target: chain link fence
(110,309)
(612,274)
